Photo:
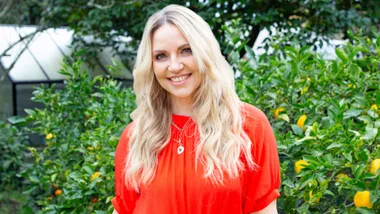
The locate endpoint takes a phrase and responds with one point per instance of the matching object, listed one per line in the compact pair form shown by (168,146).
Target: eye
(160,56)
(187,51)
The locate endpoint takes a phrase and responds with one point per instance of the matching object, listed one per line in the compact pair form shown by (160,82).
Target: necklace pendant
(180,149)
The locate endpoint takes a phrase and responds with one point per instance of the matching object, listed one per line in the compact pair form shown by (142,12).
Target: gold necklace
(180,148)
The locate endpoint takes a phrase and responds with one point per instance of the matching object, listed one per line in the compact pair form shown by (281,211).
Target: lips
(180,78)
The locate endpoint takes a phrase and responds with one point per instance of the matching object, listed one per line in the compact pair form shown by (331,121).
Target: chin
(181,96)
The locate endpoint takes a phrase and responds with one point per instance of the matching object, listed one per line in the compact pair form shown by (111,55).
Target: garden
(324,112)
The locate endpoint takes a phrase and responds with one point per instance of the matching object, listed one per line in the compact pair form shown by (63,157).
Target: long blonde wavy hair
(217,110)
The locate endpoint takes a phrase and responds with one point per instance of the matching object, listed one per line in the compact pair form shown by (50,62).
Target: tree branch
(20,40)
(30,36)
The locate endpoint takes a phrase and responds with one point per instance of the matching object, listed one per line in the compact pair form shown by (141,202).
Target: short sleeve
(125,200)
(262,183)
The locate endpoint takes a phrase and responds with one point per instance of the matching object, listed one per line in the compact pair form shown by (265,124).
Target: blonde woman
(193,146)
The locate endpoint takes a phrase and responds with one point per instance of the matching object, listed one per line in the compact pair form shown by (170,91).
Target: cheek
(159,69)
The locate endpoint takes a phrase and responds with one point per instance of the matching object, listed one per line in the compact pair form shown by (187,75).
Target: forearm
(270,209)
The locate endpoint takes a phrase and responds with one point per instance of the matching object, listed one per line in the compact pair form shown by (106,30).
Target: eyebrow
(180,47)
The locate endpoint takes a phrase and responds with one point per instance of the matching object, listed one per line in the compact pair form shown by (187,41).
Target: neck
(182,106)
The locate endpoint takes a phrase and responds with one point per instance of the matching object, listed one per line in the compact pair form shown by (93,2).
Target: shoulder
(122,146)
(127,132)
(253,116)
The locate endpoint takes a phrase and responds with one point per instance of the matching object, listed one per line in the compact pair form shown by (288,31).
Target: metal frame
(14,83)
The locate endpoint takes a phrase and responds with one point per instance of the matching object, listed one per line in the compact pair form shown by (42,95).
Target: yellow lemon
(49,136)
(362,199)
(301,121)
(315,200)
(374,107)
(95,175)
(304,90)
(299,165)
(375,165)
(341,177)
(277,111)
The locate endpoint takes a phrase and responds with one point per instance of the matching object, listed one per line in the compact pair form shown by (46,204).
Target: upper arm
(261,184)
(125,199)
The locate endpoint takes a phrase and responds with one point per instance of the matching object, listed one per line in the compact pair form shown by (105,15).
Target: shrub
(325,115)
(12,148)
(82,124)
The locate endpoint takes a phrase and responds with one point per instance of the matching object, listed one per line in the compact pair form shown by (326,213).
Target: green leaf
(304,208)
(358,171)
(297,130)
(334,145)
(372,114)
(306,138)
(352,113)
(311,159)
(94,182)
(370,133)
(109,198)
(53,177)
(288,183)
(348,156)
(284,117)
(88,169)
(34,179)
(365,211)
(29,111)
(377,124)
(75,176)
(98,94)
(342,55)
(17,120)
(364,155)
(76,195)
(29,189)
(250,52)
(365,119)
(328,192)
(81,52)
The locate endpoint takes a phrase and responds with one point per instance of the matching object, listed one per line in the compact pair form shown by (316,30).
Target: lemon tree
(325,114)
(74,173)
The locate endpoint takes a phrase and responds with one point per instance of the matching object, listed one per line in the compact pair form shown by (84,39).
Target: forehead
(167,36)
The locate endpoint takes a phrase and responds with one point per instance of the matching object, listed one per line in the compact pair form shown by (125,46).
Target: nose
(175,65)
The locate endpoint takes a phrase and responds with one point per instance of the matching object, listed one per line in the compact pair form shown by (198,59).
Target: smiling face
(174,65)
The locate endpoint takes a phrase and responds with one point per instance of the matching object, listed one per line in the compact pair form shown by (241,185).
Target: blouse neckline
(180,120)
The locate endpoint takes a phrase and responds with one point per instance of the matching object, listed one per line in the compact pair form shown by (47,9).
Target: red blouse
(178,188)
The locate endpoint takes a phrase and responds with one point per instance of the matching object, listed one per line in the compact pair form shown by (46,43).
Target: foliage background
(82,122)
(98,24)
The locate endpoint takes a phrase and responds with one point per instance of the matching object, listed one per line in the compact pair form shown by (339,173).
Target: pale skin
(172,58)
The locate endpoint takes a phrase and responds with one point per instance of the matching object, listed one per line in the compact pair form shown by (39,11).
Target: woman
(193,146)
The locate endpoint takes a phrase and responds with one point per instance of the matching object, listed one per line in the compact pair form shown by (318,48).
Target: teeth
(179,79)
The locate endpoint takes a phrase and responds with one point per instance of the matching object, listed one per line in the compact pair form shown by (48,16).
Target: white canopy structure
(35,60)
